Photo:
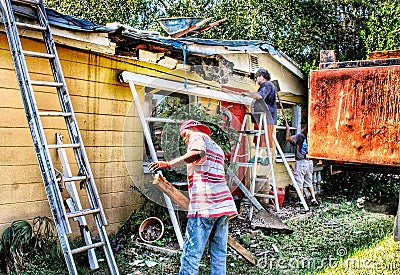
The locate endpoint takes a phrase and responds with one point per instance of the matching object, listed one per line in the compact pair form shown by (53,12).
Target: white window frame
(296,119)
(194,92)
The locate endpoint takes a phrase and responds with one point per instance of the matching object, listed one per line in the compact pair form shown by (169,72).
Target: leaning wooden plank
(192,28)
(171,191)
(181,200)
(241,250)
(245,191)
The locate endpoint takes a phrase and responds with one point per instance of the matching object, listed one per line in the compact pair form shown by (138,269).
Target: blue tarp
(73,23)
(180,43)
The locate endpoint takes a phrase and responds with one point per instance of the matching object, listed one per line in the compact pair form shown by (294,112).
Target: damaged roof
(73,23)
(193,44)
(129,40)
(131,34)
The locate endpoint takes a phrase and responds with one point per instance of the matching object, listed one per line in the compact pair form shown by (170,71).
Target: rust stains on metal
(384,54)
(355,115)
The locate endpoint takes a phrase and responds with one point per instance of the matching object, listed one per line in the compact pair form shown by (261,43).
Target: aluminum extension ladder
(42,148)
(262,157)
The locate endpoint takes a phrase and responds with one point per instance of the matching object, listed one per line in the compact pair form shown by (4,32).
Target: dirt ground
(241,224)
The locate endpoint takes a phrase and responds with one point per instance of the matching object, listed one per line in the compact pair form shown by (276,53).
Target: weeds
(319,242)
(353,185)
(22,244)
(15,240)
(322,239)
(380,259)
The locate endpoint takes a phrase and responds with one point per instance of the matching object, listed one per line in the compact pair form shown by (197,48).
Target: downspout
(184,52)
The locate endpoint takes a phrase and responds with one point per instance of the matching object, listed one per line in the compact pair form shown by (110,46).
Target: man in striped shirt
(210,199)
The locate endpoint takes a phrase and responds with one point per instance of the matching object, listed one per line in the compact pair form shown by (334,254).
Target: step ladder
(245,133)
(51,179)
(261,156)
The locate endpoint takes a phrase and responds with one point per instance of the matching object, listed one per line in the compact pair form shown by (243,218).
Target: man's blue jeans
(198,232)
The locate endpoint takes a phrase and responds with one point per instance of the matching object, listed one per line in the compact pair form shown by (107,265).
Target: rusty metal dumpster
(354,112)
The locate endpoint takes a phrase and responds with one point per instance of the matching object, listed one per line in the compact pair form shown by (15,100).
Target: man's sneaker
(314,202)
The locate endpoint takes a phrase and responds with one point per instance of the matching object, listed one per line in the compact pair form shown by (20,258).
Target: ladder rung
(264,196)
(255,113)
(75,178)
(54,114)
(30,26)
(30,2)
(84,212)
(38,54)
(259,147)
(262,132)
(263,179)
(56,146)
(244,164)
(44,83)
(248,132)
(87,247)
(249,164)
(253,133)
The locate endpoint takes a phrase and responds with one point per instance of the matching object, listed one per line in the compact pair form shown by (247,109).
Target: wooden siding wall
(109,125)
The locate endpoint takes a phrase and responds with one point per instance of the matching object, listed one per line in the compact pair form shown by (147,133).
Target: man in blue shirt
(304,166)
(267,92)
(265,101)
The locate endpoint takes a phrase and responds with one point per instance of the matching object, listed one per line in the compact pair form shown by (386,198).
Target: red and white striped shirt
(208,193)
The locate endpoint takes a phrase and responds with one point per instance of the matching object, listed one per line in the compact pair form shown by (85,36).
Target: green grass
(318,242)
(381,259)
(332,240)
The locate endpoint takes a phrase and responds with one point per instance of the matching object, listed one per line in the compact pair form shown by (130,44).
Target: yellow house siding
(281,175)
(102,107)
(109,124)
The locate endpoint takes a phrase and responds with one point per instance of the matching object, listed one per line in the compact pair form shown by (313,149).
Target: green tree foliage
(353,185)
(242,20)
(191,8)
(382,30)
(302,28)
(137,13)
(299,28)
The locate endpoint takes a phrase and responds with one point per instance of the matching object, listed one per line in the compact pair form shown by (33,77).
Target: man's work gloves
(157,165)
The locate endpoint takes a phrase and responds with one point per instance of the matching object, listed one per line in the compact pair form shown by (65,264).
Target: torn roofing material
(129,40)
(134,36)
(196,45)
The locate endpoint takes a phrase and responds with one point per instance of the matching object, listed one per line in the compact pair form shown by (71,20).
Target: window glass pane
(291,113)
(160,106)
